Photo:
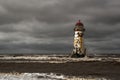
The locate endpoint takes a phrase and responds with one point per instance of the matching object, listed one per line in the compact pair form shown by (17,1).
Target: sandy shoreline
(71,68)
(100,67)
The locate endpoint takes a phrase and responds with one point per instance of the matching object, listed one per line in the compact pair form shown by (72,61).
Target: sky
(46,26)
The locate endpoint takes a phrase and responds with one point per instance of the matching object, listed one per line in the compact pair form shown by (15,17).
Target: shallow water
(45,76)
(52,76)
(53,59)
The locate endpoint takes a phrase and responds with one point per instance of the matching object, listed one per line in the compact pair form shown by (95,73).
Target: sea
(50,76)
(46,76)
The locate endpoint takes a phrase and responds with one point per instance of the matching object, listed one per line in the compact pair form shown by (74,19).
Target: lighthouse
(79,50)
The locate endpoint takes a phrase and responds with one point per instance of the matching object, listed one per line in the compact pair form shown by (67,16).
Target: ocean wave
(44,76)
(31,76)
(53,59)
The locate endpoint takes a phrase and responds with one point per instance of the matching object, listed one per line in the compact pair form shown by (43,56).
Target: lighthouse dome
(79,26)
(79,23)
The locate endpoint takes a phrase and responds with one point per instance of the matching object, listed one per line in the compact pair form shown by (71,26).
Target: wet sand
(83,68)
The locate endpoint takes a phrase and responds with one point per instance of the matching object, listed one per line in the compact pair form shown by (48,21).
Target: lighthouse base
(78,54)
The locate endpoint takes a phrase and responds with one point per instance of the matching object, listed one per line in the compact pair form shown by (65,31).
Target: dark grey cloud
(47,25)
(35,48)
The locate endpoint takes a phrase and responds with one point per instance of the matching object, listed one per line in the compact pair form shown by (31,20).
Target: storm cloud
(46,26)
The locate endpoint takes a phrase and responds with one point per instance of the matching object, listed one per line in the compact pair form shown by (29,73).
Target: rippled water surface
(46,76)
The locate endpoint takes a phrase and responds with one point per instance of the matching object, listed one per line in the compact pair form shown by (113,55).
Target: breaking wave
(44,76)
(31,76)
(53,59)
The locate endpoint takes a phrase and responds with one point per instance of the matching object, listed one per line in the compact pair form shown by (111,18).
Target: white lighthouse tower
(79,49)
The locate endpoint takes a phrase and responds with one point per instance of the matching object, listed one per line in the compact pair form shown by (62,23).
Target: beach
(98,67)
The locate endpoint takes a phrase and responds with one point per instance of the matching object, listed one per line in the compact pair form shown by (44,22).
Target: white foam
(31,76)
(53,59)
(44,76)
